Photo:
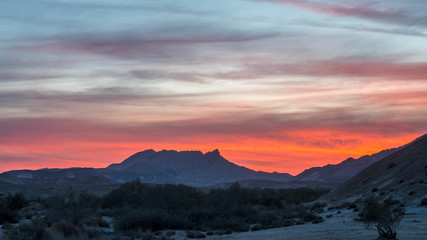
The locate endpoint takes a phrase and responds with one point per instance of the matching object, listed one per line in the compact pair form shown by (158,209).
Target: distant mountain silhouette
(342,171)
(191,167)
(401,175)
(197,169)
(186,167)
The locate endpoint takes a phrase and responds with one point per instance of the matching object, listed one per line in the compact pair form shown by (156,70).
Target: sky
(275,85)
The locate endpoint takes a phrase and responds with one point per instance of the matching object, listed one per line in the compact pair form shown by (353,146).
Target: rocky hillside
(402,175)
(344,170)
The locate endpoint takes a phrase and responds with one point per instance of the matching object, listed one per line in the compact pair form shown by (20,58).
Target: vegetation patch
(143,210)
(385,215)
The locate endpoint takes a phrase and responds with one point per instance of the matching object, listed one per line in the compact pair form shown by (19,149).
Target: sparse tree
(383,214)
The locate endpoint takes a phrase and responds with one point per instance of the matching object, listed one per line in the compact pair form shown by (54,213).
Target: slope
(401,175)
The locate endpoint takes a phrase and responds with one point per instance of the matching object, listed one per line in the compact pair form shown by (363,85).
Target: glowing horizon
(275,85)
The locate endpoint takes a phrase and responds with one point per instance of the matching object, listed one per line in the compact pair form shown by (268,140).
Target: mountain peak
(214,152)
(214,155)
(148,151)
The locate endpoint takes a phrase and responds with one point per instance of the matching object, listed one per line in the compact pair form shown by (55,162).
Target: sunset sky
(275,85)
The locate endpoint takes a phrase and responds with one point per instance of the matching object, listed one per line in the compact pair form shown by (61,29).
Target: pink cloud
(388,70)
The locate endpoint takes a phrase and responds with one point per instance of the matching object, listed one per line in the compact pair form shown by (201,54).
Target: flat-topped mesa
(166,158)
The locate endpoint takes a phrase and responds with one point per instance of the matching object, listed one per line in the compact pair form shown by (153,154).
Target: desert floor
(339,226)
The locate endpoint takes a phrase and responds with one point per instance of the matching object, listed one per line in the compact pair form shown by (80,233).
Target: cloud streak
(132,44)
(363,68)
(274,88)
(368,10)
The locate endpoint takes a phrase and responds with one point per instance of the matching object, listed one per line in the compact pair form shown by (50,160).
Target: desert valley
(322,202)
(221,120)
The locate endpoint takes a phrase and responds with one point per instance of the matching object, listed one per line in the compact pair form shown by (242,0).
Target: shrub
(70,207)
(16,201)
(7,215)
(191,234)
(391,165)
(146,235)
(256,227)
(28,231)
(66,228)
(9,206)
(318,206)
(385,217)
(197,234)
(149,220)
(137,207)
(97,222)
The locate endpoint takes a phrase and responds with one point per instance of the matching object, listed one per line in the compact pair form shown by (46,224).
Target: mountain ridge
(166,166)
(199,169)
(343,170)
(401,175)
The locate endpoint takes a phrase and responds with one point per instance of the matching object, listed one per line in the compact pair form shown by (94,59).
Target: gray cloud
(137,44)
(365,10)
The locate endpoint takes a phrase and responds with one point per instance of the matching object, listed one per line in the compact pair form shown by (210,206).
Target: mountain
(401,175)
(197,169)
(342,171)
(185,167)
(192,167)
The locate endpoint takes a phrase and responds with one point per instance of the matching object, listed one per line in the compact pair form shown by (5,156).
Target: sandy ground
(338,227)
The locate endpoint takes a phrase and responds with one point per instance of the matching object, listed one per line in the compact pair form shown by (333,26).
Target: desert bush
(7,226)
(33,230)
(391,165)
(155,207)
(66,228)
(343,205)
(234,223)
(318,206)
(146,235)
(137,207)
(149,220)
(384,215)
(6,214)
(9,207)
(16,201)
(71,207)
(256,227)
(390,201)
(196,234)
(311,217)
(97,222)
